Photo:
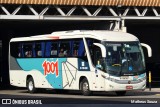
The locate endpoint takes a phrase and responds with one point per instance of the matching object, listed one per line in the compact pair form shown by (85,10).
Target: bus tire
(120,93)
(84,86)
(30,85)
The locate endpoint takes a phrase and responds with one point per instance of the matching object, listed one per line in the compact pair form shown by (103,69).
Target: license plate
(124,77)
(129,87)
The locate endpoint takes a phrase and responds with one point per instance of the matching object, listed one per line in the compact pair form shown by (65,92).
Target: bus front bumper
(113,86)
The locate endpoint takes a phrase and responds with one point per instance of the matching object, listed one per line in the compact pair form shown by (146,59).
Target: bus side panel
(70,71)
(19,70)
(73,70)
(18,78)
(17,75)
(50,68)
(54,73)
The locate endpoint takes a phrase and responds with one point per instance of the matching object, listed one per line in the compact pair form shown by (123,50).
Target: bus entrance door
(99,82)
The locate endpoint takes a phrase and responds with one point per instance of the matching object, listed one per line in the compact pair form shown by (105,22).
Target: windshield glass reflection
(123,59)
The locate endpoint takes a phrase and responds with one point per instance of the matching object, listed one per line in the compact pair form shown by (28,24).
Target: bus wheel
(30,86)
(84,85)
(120,93)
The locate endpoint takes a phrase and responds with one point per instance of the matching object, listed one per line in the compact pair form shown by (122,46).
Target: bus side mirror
(103,49)
(149,49)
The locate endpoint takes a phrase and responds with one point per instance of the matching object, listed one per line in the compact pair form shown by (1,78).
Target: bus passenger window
(19,50)
(54,49)
(53,52)
(81,49)
(65,53)
(19,54)
(38,50)
(61,53)
(39,53)
(15,49)
(64,49)
(28,50)
(28,53)
(75,48)
(75,52)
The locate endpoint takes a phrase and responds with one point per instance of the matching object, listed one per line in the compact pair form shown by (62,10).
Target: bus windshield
(124,58)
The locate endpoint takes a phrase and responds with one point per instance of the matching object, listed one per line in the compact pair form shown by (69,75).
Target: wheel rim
(85,87)
(30,85)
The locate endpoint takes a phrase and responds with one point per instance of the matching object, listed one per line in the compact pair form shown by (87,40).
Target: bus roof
(103,35)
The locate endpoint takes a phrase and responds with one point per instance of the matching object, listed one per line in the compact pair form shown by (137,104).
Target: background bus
(78,60)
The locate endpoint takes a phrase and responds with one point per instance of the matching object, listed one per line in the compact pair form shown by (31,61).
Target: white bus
(78,60)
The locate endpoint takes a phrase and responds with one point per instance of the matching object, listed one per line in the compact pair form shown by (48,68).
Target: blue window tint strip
(42,47)
(81,48)
(71,47)
(48,49)
(89,42)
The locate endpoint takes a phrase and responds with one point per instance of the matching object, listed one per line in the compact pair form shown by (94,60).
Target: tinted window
(94,50)
(0,52)
(38,50)
(64,49)
(54,49)
(15,49)
(58,48)
(27,49)
(75,47)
